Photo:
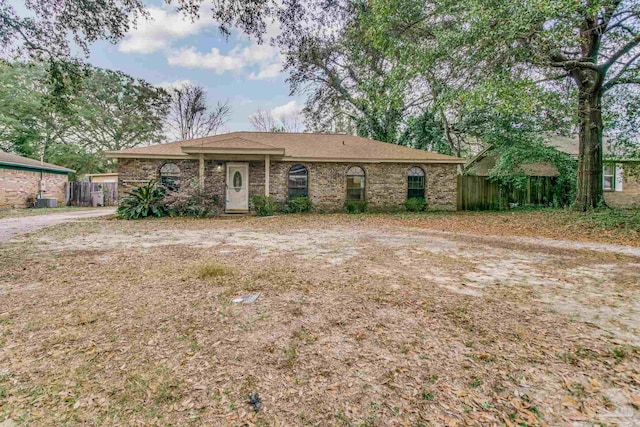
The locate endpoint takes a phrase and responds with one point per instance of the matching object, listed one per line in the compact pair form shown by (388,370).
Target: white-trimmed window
(355,183)
(609,177)
(415,183)
(298,182)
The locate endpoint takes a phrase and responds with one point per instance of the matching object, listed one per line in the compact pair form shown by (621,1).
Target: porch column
(267,167)
(201,172)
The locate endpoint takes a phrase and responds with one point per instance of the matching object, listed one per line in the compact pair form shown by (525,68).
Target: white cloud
(173,84)
(267,72)
(160,30)
(214,60)
(166,27)
(265,57)
(287,110)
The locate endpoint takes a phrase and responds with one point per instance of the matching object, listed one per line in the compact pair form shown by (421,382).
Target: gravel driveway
(11,227)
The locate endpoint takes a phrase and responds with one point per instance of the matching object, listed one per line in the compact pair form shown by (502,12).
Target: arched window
(298,182)
(415,183)
(355,183)
(170,176)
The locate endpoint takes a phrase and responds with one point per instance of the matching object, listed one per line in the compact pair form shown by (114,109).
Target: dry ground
(24,222)
(30,212)
(362,321)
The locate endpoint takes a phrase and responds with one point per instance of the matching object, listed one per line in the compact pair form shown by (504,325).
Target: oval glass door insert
(237,181)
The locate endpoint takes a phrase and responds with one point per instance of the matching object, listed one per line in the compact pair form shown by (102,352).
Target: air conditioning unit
(47,203)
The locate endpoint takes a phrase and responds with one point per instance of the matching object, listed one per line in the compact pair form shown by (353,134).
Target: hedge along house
(328,168)
(22,180)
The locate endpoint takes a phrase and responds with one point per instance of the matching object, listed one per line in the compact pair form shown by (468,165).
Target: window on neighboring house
(298,182)
(170,176)
(355,183)
(609,177)
(415,183)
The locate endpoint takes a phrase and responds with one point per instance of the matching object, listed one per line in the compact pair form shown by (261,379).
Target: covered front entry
(237,199)
(235,153)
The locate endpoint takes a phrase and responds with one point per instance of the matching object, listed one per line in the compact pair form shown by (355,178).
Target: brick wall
(133,173)
(17,186)
(386,183)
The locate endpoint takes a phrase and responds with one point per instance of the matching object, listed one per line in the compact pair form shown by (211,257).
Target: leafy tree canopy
(110,111)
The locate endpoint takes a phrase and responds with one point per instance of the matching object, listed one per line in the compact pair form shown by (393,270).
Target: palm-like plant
(142,202)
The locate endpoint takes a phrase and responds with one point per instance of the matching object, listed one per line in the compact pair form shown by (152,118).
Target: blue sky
(169,49)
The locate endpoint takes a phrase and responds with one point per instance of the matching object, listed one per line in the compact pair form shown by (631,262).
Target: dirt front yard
(361,321)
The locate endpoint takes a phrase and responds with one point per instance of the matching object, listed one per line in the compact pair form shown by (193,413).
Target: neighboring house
(22,180)
(328,168)
(99,178)
(620,189)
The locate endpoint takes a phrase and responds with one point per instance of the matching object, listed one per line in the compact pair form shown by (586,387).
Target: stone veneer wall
(16,186)
(386,183)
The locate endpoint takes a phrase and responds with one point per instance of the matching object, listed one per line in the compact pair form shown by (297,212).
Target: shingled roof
(15,161)
(291,146)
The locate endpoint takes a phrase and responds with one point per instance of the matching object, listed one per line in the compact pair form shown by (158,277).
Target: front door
(237,186)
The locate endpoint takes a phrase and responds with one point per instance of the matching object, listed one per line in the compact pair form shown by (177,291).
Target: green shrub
(299,205)
(355,206)
(264,205)
(191,201)
(142,202)
(415,204)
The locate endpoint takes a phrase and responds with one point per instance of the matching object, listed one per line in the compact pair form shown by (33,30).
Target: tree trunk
(589,185)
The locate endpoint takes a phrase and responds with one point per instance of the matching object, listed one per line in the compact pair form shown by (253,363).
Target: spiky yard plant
(144,201)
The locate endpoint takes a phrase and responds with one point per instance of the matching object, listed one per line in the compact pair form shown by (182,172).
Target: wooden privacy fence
(477,193)
(79,193)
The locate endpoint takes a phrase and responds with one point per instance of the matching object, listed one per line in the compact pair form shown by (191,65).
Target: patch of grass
(576,389)
(291,354)
(620,352)
(475,382)
(167,392)
(212,271)
(194,345)
(135,389)
(427,394)
(568,357)
(536,411)
(6,320)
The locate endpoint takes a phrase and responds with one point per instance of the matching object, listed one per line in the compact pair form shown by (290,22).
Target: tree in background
(110,111)
(30,121)
(595,44)
(264,121)
(46,31)
(347,78)
(191,117)
(114,111)
(425,132)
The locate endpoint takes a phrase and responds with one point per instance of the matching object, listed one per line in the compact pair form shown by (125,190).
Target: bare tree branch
(190,117)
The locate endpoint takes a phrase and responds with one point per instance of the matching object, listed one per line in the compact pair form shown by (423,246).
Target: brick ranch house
(328,168)
(23,179)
